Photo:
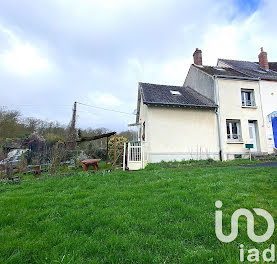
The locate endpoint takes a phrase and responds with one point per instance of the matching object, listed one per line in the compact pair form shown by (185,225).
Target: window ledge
(235,142)
(245,106)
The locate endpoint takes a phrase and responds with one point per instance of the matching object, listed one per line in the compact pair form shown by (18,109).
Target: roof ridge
(202,66)
(250,68)
(232,67)
(256,62)
(161,84)
(229,72)
(235,60)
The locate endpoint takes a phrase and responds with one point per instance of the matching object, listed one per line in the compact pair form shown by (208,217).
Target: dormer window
(175,92)
(247,97)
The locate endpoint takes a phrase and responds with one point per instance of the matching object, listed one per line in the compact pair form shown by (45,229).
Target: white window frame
(244,101)
(233,137)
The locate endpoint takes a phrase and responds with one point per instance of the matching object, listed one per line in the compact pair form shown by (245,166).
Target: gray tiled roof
(273,66)
(220,71)
(251,69)
(156,94)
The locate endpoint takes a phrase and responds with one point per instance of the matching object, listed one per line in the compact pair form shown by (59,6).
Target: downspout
(217,111)
(260,94)
(265,126)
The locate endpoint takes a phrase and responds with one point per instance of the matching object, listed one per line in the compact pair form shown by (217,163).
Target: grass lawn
(163,214)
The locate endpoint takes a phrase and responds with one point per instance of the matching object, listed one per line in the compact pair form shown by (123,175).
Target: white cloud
(22,58)
(104,48)
(176,70)
(220,42)
(242,38)
(102,99)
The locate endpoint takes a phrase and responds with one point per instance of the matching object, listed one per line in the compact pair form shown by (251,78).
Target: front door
(252,136)
(274,128)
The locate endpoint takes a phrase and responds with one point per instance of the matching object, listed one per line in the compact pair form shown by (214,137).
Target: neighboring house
(214,114)
(13,158)
(266,73)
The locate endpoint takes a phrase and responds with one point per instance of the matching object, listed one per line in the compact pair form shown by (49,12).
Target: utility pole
(72,129)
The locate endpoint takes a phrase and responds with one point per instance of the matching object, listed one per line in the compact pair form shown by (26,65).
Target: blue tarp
(274,128)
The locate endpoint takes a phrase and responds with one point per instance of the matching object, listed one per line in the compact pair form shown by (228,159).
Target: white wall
(174,133)
(231,108)
(269,101)
(269,104)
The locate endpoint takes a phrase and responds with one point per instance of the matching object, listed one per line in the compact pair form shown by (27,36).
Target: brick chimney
(197,57)
(263,60)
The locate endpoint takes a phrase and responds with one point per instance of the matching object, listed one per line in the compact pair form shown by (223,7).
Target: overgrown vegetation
(119,147)
(14,127)
(163,214)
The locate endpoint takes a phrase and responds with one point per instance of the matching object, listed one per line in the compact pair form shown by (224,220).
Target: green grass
(163,214)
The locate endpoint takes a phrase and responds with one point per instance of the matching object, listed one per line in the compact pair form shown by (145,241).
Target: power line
(53,105)
(111,110)
(34,105)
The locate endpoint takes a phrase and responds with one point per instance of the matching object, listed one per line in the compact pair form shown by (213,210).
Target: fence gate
(134,156)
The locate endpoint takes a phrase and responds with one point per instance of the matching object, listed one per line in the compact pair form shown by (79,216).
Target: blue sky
(248,6)
(56,52)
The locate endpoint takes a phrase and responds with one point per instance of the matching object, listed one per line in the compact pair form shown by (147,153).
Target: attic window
(175,92)
(219,69)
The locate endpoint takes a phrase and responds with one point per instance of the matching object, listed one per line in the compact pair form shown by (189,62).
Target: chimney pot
(197,57)
(263,61)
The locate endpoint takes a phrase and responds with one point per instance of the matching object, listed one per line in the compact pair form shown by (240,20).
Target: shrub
(119,147)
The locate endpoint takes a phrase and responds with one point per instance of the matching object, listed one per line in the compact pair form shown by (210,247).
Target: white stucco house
(218,110)
(266,73)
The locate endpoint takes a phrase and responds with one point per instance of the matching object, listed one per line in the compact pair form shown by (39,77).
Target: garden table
(91,162)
